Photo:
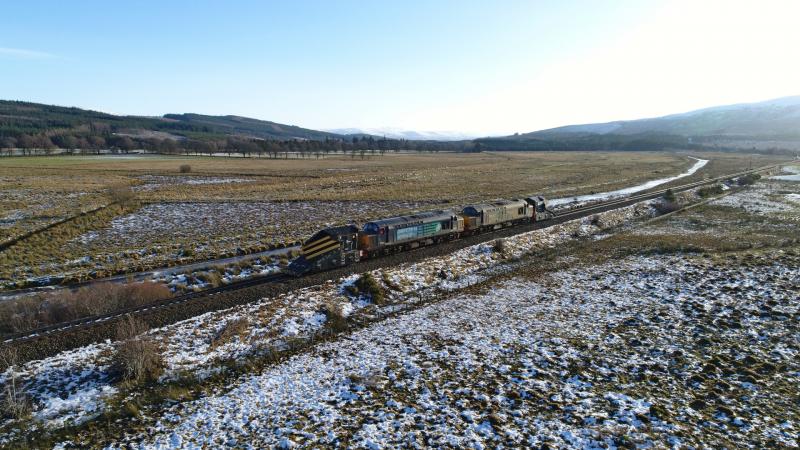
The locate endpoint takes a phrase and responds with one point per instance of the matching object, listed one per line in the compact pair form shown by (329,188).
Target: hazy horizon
(464,67)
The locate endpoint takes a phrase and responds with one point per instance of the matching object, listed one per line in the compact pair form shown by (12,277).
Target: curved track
(86,330)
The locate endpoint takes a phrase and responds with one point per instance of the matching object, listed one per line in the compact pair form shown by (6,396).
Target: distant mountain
(774,118)
(33,118)
(399,133)
(769,124)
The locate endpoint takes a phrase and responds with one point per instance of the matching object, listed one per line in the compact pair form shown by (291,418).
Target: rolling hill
(23,117)
(769,124)
(245,126)
(772,118)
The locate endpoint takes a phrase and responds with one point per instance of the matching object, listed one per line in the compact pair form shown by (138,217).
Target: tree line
(30,144)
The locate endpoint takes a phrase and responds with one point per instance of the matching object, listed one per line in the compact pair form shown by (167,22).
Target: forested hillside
(32,127)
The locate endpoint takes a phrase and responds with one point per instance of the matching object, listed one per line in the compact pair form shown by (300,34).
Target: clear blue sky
(475,66)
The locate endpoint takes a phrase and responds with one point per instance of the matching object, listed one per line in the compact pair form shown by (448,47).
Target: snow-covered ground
(629,190)
(793,171)
(609,355)
(153,182)
(82,374)
(766,198)
(230,221)
(631,357)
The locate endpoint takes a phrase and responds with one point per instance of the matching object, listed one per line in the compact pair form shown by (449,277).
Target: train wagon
(327,249)
(382,236)
(496,214)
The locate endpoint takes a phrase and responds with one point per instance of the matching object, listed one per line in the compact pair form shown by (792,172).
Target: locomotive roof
(538,198)
(496,204)
(338,231)
(423,217)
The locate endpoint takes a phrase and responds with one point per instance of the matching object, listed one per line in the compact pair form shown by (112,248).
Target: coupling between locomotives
(344,245)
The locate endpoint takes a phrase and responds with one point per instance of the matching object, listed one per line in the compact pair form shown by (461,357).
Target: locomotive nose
(299,266)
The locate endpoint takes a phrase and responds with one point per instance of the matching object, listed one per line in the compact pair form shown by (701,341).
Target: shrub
(669,196)
(129,328)
(213,278)
(137,359)
(748,179)
(121,194)
(367,285)
(185,168)
(708,191)
(335,319)
(46,309)
(665,207)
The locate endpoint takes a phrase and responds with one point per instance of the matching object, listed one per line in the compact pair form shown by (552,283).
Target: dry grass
(335,320)
(137,359)
(36,191)
(27,313)
(16,404)
(735,230)
(236,328)
(121,194)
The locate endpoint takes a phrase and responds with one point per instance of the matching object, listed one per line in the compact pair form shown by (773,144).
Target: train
(344,245)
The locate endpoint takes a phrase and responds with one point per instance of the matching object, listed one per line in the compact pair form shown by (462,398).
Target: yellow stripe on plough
(308,248)
(325,249)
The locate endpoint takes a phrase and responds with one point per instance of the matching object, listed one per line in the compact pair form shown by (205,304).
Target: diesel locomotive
(344,245)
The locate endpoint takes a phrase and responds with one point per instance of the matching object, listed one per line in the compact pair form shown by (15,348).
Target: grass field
(228,205)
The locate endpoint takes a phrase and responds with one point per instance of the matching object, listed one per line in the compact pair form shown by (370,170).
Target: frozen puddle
(793,170)
(630,190)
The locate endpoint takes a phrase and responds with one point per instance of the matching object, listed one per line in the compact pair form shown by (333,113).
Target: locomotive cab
(372,236)
(540,210)
(328,249)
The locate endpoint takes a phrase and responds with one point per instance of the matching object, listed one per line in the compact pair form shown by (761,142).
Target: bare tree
(26,143)
(97,143)
(126,144)
(8,143)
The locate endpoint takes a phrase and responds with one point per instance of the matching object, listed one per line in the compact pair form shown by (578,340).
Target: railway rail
(87,323)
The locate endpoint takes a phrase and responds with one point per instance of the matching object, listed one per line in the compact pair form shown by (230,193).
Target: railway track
(583,210)
(286,282)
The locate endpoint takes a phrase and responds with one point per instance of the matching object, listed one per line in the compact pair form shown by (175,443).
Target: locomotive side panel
(404,230)
(497,213)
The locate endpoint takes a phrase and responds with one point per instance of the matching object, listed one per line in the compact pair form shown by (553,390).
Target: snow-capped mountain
(400,133)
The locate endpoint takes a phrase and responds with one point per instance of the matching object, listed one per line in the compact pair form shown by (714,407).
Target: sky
(479,67)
